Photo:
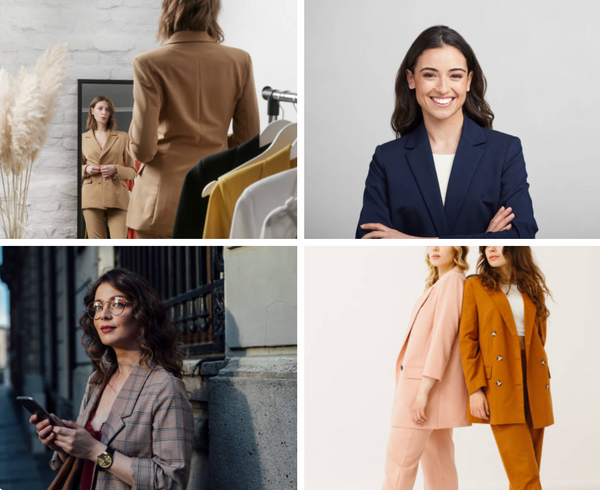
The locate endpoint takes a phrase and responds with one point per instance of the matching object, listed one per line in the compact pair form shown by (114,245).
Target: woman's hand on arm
(382,231)
(479,405)
(501,221)
(418,409)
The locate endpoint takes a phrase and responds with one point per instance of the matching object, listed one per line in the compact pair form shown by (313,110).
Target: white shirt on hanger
(258,200)
(443,167)
(282,222)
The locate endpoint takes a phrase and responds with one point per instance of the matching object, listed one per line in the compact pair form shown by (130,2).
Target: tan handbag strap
(68,475)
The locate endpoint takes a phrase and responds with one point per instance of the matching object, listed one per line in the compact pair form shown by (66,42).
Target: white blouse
(517,306)
(443,167)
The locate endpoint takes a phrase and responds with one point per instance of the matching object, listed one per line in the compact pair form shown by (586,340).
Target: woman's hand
(108,170)
(45,434)
(501,221)
(418,409)
(92,170)
(479,405)
(76,441)
(382,231)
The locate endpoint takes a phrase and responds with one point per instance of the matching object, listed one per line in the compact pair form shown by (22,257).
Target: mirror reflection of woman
(431,395)
(187,93)
(104,192)
(502,339)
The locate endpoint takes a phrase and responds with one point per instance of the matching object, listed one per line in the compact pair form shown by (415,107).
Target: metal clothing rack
(274,97)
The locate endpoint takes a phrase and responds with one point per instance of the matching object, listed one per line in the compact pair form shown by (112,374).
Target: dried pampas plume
(25,119)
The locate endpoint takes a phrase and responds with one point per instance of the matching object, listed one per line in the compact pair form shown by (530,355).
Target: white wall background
(536,56)
(104,37)
(357,305)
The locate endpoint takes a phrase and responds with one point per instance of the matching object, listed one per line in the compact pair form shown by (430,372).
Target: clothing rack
(274,97)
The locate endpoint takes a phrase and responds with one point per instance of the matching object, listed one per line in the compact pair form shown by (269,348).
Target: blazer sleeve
(542,331)
(127,172)
(84,164)
(246,121)
(515,194)
(143,133)
(470,353)
(172,430)
(446,319)
(376,202)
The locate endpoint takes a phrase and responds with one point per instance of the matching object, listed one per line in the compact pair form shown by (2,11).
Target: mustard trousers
(96,221)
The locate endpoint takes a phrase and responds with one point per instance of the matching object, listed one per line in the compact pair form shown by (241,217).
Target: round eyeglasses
(115,305)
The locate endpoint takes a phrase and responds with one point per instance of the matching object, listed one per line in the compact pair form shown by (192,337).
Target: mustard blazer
(186,93)
(96,191)
(491,357)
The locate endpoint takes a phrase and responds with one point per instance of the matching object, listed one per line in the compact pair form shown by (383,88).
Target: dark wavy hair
(407,112)
(523,271)
(156,334)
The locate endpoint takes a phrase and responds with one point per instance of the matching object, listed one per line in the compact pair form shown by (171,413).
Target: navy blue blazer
(402,191)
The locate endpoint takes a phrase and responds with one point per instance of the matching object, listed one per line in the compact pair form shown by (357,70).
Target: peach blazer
(96,191)
(186,94)
(430,348)
(491,357)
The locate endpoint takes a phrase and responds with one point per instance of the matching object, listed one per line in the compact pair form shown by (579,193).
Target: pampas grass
(25,119)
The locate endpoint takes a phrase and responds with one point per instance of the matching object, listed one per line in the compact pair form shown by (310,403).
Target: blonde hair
(91,120)
(460,261)
(190,15)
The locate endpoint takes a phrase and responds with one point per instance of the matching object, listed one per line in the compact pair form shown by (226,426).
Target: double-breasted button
(543,362)
(498,383)
(499,358)
(547,387)
(494,333)
(401,367)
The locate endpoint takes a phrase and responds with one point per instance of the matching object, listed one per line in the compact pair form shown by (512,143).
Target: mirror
(121,94)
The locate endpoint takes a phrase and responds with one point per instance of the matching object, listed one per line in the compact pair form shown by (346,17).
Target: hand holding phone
(35,408)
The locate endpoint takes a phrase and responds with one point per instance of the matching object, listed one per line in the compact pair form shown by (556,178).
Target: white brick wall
(104,36)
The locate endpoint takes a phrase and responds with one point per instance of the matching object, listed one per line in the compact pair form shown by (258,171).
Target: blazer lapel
(415,312)
(503,305)
(466,160)
(94,393)
(125,402)
(530,314)
(110,141)
(420,161)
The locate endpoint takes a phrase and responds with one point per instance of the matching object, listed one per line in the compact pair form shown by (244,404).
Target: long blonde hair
(190,15)
(460,261)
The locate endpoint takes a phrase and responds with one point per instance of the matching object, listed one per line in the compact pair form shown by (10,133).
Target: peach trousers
(433,447)
(520,447)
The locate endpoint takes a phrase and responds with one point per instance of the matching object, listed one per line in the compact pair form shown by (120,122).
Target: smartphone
(35,408)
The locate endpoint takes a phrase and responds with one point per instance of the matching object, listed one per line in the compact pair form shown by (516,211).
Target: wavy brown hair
(156,334)
(91,122)
(460,260)
(523,271)
(407,112)
(190,15)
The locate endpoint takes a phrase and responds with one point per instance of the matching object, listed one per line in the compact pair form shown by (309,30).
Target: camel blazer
(430,348)
(96,191)
(491,357)
(186,94)
(152,422)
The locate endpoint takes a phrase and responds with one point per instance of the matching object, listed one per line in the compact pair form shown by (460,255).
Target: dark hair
(407,112)
(156,334)
(524,272)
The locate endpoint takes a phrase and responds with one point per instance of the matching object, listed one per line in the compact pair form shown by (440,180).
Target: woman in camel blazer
(502,339)
(186,94)
(104,193)
(431,396)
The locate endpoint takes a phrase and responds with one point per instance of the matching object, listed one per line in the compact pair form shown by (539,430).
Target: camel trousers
(520,447)
(97,219)
(432,447)
(147,234)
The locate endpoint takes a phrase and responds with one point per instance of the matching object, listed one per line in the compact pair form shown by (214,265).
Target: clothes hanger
(285,137)
(271,131)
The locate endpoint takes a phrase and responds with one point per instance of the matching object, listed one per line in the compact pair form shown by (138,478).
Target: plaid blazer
(152,422)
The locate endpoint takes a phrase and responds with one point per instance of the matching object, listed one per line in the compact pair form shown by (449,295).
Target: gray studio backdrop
(541,65)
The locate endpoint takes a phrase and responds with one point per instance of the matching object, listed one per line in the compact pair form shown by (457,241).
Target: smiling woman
(448,175)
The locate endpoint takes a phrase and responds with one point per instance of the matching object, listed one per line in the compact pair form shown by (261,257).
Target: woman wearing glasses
(135,423)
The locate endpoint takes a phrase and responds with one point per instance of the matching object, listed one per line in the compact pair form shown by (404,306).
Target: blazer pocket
(488,372)
(413,372)
(87,181)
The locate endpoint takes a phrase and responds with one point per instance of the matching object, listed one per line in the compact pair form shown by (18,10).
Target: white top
(259,200)
(282,221)
(517,306)
(443,167)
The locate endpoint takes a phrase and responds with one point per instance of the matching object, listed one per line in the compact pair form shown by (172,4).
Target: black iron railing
(190,281)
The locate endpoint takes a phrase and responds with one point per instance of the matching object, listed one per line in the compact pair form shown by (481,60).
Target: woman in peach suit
(502,339)
(431,395)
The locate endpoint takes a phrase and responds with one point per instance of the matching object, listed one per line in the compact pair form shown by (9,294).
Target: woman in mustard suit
(431,395)
(502,339)
(104,193)
(187,92)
